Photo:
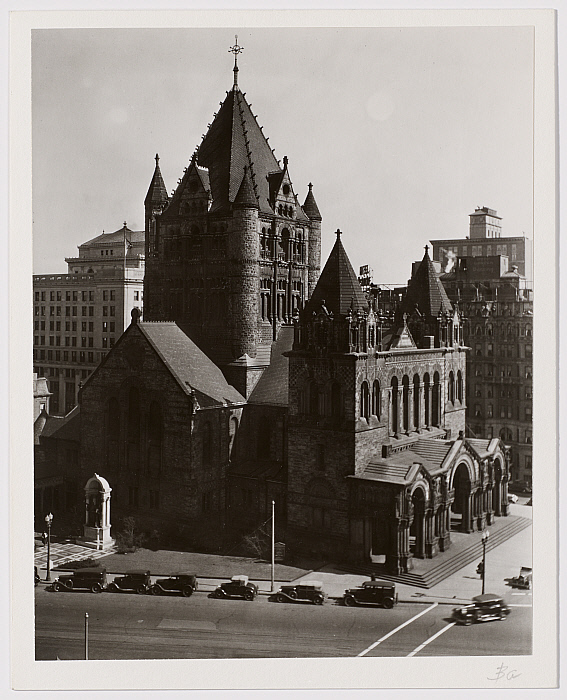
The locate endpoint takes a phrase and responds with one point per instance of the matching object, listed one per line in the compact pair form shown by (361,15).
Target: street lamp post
(48,521)
(485,536)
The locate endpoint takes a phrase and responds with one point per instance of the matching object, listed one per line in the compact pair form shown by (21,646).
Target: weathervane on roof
(236,49)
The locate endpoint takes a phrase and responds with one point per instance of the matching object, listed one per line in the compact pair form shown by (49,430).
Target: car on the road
(93,580)
(484,608)
(512,498)
(138,581)
(182,583)
(372,593)
(237,587)
(306,591)
(523,580)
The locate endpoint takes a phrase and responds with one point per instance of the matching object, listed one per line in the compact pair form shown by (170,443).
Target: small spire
(236,49)
(285,161)
(125,225)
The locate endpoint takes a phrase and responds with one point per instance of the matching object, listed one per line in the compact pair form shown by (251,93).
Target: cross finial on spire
(157,159)
(426,249)
(338,232)
(236,49)
(310,185)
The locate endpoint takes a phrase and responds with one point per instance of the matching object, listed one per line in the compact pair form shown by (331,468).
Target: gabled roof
(272,387)
(157,192)
(400,339)
(310,206)
(426,291)
(192,174)
(338,288)
(192,369)
(234,140)
(63,427)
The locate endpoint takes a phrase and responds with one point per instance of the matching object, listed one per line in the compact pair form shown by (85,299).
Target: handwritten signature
(504,672)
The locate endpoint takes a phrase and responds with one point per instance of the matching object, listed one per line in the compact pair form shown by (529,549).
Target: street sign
(279,551)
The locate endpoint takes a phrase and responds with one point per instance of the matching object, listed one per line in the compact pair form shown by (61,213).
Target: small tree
(256,543)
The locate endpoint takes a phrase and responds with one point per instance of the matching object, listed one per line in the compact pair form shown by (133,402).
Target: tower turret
(312,210)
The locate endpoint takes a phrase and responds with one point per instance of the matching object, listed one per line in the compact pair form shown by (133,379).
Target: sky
(402,131)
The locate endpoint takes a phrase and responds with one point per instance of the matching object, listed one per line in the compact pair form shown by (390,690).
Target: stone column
(411,426)
(420,409)
(466,514)
(400,412)
(427,397)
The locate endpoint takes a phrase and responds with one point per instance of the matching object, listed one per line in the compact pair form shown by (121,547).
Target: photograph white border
(536,671)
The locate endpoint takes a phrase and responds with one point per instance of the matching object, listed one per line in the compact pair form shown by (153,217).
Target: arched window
(451,388)
(376,399)
(436,401)
(133,437)
(394,403)
(405,402)
(460,386)
(207,443)
(155,437)
(336,403)
(364,401)
(113,422)
(313,399)
(285,244)
(416,402)
(264,437)
(427,399)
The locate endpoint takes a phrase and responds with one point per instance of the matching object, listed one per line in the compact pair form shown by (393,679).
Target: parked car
(138,581)
(512,498)
(93,580)
(237,587)
(36,578)
(524,580)
(176,583)
(310,591)
(372,593)
(484,608)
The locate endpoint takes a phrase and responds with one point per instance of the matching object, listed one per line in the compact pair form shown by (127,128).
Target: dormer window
(286,189)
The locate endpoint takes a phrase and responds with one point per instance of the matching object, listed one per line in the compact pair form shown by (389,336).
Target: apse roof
(338,288)
(117,237)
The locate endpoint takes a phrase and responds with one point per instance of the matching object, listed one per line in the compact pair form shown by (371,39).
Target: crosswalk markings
(397,629)
(437,634)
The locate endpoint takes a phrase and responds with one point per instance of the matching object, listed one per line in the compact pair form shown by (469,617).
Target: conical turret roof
(235,140)
(338,288)
(310,206)
(426,291)
(245,196)
(157,192)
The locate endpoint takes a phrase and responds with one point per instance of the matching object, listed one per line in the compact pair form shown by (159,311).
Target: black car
(484,608)
(372,593)
(309,591)
(138,581)
(176,583)
(93,580)
(237,587)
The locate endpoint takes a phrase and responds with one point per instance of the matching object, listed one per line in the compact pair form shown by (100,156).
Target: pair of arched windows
(370,403)
(325,401)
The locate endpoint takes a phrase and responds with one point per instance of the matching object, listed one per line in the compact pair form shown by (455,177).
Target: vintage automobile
(36,578)
(524,580)
(372,593)
(93,580)
(177,583)
(237,587)
(138,581)
(512,498)
(306,591)
(484,608)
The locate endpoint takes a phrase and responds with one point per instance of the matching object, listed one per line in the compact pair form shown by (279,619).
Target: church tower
(233,255)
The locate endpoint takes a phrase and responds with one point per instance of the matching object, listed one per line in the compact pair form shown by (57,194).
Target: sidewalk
(501,563)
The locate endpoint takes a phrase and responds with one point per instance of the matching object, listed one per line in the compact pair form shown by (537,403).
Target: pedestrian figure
(480,569)
(44,538)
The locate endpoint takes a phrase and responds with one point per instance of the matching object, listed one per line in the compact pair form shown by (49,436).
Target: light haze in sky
(403,131)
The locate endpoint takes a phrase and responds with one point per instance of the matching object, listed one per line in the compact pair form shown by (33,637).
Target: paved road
(128,626)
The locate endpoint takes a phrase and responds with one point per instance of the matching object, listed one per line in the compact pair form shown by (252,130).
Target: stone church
(255,376)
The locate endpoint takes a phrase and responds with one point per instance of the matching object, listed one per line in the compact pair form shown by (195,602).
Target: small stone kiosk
(97,514)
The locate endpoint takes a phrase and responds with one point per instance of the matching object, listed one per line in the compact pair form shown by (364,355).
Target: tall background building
(79,315)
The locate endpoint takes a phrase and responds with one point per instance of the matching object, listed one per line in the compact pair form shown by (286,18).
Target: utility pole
(86,636)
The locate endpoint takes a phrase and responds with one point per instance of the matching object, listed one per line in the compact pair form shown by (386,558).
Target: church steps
(435,573)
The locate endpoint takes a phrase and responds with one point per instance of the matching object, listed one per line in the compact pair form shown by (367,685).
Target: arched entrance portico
(417,524)
(461,505)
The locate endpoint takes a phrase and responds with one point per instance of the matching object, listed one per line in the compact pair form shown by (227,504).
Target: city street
(130,626)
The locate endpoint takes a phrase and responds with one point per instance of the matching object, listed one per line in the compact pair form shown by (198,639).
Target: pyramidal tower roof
(338,288)
(157,192)
(245,196)
(235,140)
(426,291)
